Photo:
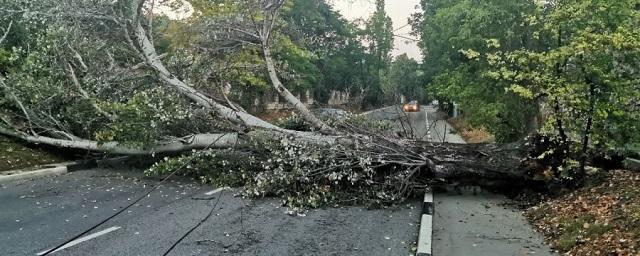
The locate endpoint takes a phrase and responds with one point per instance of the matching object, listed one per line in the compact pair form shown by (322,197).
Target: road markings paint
(426,225)
(83,239)
(217,190)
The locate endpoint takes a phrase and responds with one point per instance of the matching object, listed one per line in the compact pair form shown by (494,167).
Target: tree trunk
(286,94)
(153,60)
(483,164)
(195,142)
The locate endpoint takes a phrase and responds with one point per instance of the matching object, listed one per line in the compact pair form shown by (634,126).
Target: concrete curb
(51,170)
(34,174)
(632,164)
(65,167)
(426,225)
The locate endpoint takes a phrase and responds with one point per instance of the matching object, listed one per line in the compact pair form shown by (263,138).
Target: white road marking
(217,190)
(83,239)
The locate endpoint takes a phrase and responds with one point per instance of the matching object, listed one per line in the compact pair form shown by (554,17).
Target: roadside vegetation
(563,68)
(15,156)
(469,133)
(602,218)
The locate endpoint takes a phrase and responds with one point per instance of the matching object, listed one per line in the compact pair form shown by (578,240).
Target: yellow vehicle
(411,106)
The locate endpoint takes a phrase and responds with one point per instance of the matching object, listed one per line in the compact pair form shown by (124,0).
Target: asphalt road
(39,214)
(482,224)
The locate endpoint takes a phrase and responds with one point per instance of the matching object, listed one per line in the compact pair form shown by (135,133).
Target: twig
(85,95)
(6,32)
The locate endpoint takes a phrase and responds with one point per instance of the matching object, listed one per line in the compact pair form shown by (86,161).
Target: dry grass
(599,219)
(471,134)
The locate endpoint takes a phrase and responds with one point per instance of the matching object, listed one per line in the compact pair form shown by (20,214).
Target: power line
(196,226)
(407,38)
(131,204)
(401,27)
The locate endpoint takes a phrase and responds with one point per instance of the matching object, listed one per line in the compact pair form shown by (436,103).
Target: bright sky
(398,10)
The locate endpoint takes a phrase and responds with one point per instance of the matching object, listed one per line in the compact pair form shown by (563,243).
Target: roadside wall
(273,102)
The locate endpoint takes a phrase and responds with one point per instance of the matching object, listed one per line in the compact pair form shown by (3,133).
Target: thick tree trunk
(199,141)
(483,164)
(153,60)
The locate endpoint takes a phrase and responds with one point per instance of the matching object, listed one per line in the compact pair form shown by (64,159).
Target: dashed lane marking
(83,239)
(217,190)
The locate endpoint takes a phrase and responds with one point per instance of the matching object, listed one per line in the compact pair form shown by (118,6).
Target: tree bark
(195,142)
(477,163)
(286,94)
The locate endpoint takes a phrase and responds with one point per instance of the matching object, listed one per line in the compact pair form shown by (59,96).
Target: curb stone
(426,225)
(64,167)
(34,174)
(48,170)
(632,164)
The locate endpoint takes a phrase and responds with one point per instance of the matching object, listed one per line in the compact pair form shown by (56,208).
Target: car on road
(411,106)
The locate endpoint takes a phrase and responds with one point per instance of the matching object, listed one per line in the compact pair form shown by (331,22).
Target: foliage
(454,36)
(379,34)
(404,78)
(304,175)
(353,121)
(148,115)
(564,67)
(590,74)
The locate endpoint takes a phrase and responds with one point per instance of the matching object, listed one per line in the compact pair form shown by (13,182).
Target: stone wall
(339,98)
(273,101)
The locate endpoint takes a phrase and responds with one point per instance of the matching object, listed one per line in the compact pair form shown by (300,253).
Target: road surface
(41,213)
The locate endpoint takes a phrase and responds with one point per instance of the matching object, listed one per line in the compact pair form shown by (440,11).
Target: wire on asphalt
(128,206)
(173,246)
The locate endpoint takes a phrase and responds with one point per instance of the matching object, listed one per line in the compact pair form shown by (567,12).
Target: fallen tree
(305,166)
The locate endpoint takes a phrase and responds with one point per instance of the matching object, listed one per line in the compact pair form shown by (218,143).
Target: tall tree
(379,35)
(453,35)
(404,79)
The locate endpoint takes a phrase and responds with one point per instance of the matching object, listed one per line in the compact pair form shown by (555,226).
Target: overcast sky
(398,10)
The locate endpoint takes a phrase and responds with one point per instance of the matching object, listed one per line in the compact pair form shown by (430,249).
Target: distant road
(423,125)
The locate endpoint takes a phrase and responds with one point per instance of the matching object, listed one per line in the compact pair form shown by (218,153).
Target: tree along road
(41,213)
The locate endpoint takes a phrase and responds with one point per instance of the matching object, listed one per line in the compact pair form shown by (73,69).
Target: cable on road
(202,220)
(194,227)
(131,204)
